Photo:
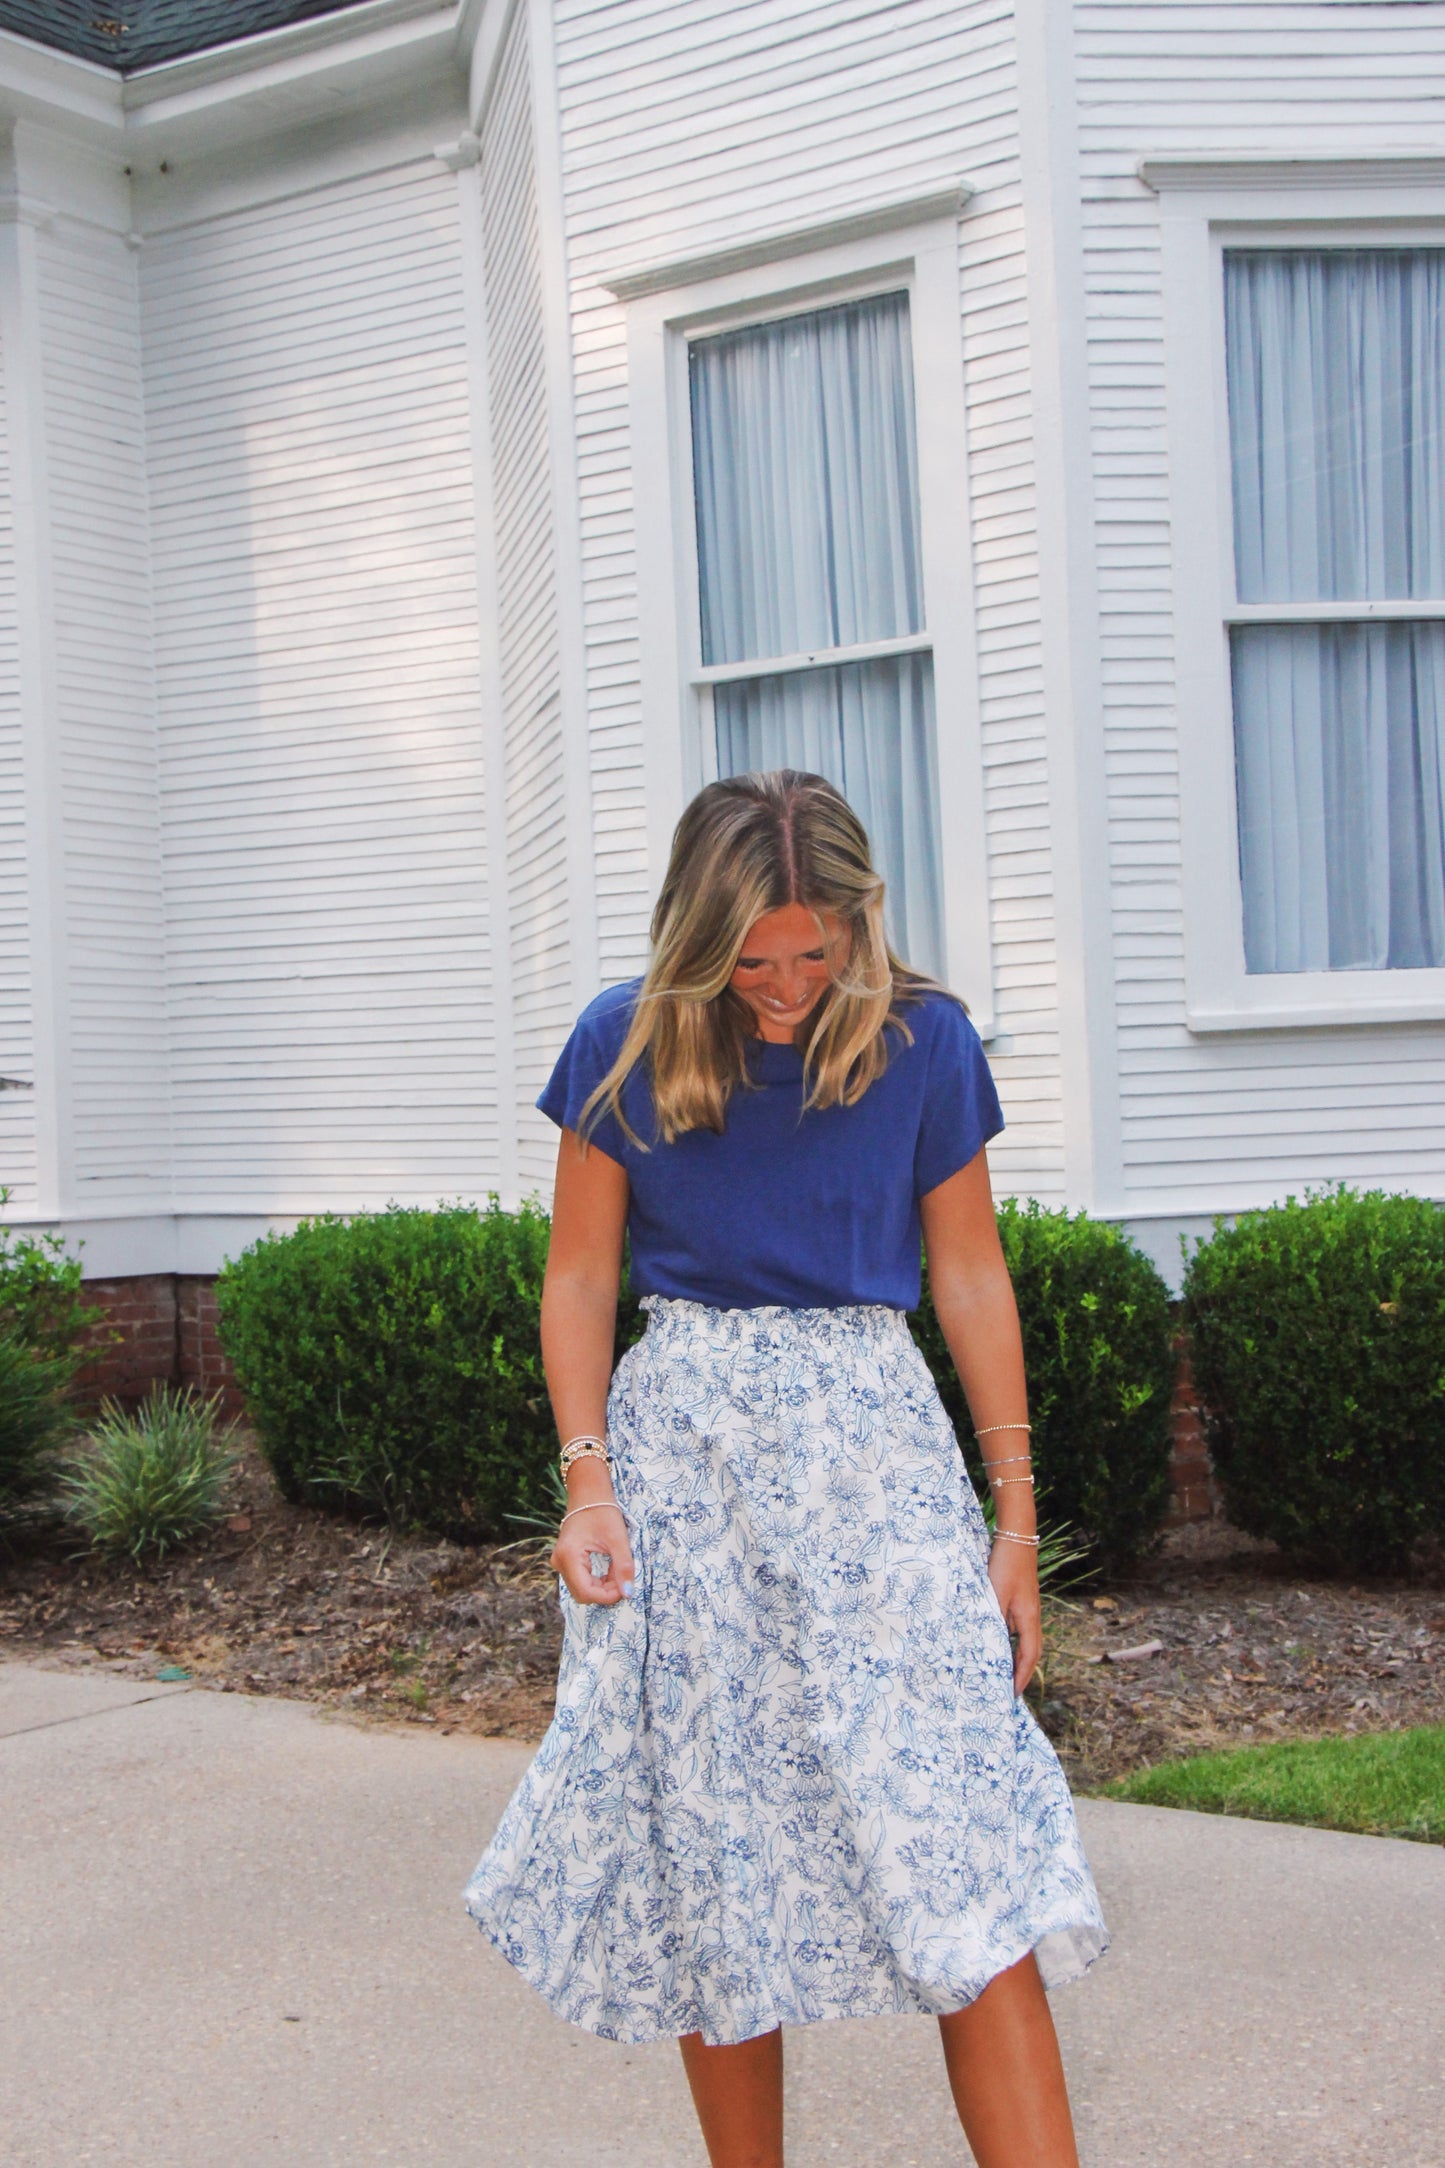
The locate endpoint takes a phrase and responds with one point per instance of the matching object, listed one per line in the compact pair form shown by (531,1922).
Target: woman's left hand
(1014,1573)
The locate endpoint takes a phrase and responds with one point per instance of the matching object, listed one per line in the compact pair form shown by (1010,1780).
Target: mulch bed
(284,1600)
(1248,1652)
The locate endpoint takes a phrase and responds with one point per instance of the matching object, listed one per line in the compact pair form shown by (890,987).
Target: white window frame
(913,250)
(1210,203)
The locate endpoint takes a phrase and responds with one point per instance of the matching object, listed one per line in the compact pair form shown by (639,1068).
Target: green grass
(1384,1783)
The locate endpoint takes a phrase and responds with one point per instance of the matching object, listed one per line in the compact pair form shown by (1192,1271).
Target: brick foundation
(162,1329)
(158,1328)
(1196,1495)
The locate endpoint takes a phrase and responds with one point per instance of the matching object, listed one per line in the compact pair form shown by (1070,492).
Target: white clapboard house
(438,437)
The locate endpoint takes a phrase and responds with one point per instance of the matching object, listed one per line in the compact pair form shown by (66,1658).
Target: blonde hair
(746,846)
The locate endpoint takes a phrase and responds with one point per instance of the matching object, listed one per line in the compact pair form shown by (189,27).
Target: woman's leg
(1007,2076)
(738,2095)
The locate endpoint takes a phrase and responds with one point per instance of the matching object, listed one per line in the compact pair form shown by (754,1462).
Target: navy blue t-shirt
(805,1210)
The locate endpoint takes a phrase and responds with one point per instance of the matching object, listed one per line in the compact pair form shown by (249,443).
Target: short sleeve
(594,1044)
(960,1110)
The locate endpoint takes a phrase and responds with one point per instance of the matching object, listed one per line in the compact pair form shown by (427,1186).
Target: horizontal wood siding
(318,674)
(17,1042)
(705,124)
(1220,1120)
(105,698)
(527,629)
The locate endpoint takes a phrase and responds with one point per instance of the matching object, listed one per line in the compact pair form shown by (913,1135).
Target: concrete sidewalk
(233,1938)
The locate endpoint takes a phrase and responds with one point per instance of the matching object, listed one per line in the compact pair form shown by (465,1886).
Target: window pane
(1336,363)
(805,473)
(1339,755)
(868,727)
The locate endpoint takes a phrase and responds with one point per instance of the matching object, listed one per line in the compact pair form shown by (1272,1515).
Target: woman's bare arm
(974,1301)
(579,1325)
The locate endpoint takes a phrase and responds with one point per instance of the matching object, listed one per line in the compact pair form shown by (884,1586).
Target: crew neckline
(774,1060)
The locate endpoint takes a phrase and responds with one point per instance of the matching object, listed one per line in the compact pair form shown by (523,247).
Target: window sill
(1271,1009)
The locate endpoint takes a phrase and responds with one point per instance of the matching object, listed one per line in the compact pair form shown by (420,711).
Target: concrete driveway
(232,1936)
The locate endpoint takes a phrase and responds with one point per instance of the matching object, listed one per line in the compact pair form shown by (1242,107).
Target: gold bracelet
(1002,1482)
(1010,1535)
(583,1448)
(1007,1460)
(591,1506)
(989,1428)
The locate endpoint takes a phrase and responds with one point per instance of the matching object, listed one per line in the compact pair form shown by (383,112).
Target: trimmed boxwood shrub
(40,1297)
(1097,1349)
(1318,1331)
(392,1364)
(34,1423)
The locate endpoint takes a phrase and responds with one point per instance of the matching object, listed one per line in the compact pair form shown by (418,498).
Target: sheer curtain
(805,472)
(1336,362)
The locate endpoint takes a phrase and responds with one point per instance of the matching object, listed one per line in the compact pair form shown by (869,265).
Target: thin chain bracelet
(1008,1460)
(1008,1535)
(1002,1482)
(592,1506)
(989,1428)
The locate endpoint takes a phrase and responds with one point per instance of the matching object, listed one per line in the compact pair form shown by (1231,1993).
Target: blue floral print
(791,1780)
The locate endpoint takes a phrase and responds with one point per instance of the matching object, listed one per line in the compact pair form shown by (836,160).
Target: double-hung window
(813,634)
(1304,375)
(804,551)
(1336,395)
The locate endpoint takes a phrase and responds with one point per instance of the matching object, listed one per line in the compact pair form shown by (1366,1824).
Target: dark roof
(130,34)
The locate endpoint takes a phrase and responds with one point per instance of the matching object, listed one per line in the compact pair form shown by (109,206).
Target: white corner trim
(1292,169)
(37,675)
(493,718)
(1073,692)
(559,370)
(867,219)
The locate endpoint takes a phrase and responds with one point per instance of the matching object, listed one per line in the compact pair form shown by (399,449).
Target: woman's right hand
(600,1528)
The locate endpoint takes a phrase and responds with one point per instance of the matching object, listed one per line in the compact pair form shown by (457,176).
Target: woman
(789,1776)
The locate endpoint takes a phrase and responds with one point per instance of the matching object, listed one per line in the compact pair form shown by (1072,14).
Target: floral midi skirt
(791,1779)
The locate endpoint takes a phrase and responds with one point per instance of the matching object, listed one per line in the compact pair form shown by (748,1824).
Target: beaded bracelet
(989,1428)
(583,1448)
(1002,1482)
(1009,1535)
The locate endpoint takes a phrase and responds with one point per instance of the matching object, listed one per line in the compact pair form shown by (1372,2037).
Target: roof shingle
(131,34)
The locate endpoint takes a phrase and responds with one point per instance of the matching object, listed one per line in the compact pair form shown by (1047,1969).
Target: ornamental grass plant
(1318,1335)
(145,1481)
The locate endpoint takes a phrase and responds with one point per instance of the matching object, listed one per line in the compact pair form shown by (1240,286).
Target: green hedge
(42,1319)
(40,1298)
(1097,1350)
(392,1366)
(1318,1333)
(34,1424)
(392,1363)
